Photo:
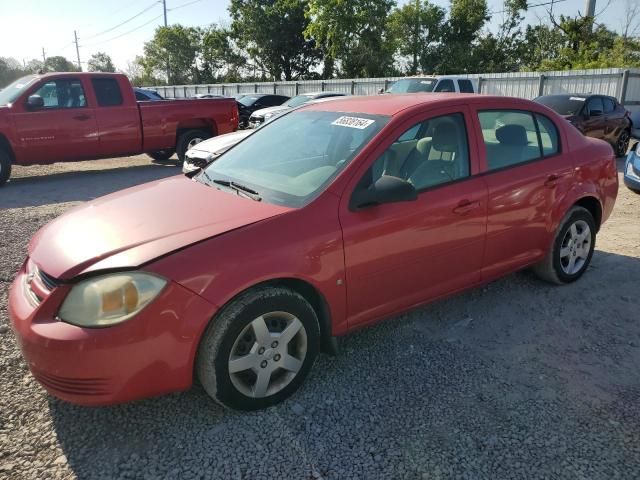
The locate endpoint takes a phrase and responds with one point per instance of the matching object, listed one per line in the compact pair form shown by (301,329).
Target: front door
(64,129)
(595,122)
(402,254)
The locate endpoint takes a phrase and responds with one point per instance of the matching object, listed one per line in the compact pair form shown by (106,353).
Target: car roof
(394,104)
(577,95)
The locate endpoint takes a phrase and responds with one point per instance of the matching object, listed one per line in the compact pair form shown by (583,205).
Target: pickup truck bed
(81,116)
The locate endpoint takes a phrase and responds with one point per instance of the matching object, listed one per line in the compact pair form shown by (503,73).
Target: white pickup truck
(431,84)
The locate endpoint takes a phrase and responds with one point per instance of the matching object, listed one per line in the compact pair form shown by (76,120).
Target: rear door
(64,129)
(117,117)
(527,174)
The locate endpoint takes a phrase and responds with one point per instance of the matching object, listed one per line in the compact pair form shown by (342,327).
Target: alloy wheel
(268,354)
(575,247)
(193,142)
(623,143)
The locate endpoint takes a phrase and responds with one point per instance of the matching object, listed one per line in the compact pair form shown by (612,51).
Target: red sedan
(333,217)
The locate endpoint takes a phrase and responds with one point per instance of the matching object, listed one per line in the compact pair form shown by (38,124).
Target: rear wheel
(572,248)
(188,140)
(259,349)
(162,155)
(622,144)
(5,166)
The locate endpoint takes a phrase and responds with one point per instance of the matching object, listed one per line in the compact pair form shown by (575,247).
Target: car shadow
(411,390)
(83,185)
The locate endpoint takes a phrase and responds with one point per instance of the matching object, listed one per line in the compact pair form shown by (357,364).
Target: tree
(354,33)
(461,37)
(220,57)
(59,64)
(271,31)
(9,71)
(173,52)
(417,28)
(100,62)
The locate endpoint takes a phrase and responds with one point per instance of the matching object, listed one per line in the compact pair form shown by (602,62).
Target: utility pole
(590,8)
(164,9)
(75,35)
(44,57)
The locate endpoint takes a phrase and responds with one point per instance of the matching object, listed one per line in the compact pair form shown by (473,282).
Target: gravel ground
(518,380)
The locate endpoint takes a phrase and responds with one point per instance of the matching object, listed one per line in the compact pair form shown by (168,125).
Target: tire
(5,166)
(188,139)
(232,337)
(569,243)
(161,155)
(622,143)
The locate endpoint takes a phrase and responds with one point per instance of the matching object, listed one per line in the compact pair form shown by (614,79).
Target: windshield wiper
(238,187)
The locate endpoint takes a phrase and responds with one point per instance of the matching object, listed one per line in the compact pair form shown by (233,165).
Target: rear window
(413,85)
(562,104)
(107,91)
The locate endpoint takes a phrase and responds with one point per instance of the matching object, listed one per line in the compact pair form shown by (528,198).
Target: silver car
(205,152)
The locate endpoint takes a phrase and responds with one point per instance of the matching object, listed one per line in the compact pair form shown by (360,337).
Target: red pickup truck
(58,117)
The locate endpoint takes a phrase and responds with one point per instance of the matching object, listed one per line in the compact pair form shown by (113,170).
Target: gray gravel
(514,380)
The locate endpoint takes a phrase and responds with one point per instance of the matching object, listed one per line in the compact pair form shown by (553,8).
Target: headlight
(109,299)
(267,116)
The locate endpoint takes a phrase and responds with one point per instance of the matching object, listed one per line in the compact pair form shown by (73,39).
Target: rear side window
(465,86)
(548,135)
(107,91)
(445,85)
(609,105)
(511,137)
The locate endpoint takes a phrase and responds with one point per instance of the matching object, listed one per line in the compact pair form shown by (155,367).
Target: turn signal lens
(110,299)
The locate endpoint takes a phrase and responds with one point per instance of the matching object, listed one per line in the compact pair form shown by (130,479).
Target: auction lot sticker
(353,122)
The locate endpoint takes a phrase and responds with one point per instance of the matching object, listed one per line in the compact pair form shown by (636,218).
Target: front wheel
(5,166)
(572,248)
(188,140)
(259,349)
(161,155)
(622,144)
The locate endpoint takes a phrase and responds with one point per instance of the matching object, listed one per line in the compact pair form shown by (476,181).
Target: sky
(28,26)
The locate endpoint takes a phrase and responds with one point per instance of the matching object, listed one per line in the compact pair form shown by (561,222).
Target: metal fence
(624,84)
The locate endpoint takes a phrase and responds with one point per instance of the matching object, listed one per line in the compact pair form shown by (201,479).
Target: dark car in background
(146,95)
(249,103)
(597,116)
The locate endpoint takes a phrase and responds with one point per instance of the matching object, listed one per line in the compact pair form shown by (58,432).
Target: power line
(125,33)
(533,5)
(184,5)
(125,22)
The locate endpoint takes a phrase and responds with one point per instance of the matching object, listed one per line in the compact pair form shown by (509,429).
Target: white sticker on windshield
(353,122)
(425,82)
(580,99)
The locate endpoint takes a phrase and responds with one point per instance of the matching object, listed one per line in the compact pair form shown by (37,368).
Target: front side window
(107,91)
(431,153)
(62,93)
(511,137)
(595,107)
(290,161)
(445,85)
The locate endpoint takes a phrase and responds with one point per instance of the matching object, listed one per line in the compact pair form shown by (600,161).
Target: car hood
(262,111)
(220,143)
(134,226)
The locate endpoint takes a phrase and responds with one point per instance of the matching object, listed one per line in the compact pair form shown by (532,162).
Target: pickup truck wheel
(161,155)
(259,348)
(622,144)
(572,248)
(188,139)
(5,166)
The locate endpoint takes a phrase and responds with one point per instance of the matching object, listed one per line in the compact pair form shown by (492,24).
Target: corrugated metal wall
(610,81)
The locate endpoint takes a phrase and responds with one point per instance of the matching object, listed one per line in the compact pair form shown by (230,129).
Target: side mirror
(387,189)
(381,91)
(34,102)
(595,113)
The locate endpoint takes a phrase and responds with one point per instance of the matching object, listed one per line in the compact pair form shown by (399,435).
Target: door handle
(552,180)
(465,206)
(82,117)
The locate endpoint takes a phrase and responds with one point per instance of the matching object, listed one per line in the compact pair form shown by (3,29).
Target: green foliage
(173,51)
(271,32)
(59,64)
(353,33)
(416,29)
(100,62)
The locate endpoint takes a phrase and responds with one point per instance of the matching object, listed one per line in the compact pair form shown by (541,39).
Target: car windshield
(12,91)
(290,161)
(413,85)
(561,104)
(249,100)
(298,100)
